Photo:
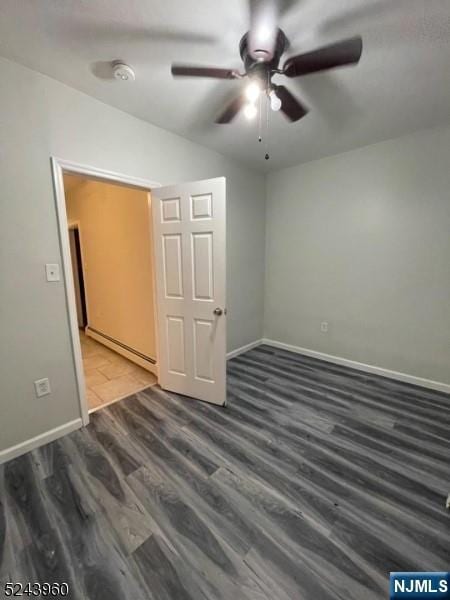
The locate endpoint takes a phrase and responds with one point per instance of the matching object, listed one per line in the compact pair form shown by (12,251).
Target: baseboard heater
(124,346)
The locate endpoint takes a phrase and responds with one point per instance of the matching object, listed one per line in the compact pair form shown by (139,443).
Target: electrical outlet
(324,327)
(52,272)
(42,387)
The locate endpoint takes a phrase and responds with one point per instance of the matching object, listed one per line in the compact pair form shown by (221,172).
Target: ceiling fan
(261,49)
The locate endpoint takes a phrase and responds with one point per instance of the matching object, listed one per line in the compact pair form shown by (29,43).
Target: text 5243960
(36,590)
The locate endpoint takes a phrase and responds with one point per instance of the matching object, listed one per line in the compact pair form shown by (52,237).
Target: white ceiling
(401,84)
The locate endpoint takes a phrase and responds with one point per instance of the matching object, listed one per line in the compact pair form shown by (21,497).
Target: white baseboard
(145,364)
(346,362)
(39,440)
(243,349)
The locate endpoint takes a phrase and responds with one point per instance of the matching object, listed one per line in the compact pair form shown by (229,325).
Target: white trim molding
(102,174)
(243,349)
(346,362)
(39,440)
(153,368)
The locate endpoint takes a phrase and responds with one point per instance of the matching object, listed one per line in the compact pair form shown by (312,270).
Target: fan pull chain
(260,119)
(267,156)
(267,117)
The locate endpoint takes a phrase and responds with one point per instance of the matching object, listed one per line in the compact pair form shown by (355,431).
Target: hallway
(109,376)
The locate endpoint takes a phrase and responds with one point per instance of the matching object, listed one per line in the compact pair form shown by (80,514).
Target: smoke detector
(123,72)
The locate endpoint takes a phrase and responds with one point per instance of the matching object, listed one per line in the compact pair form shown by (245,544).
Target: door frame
(76,226)
(59,167)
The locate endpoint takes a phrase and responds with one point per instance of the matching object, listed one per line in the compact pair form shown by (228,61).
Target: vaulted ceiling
(401,84)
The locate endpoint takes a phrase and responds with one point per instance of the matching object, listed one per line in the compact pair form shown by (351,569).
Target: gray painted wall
(40,117)
(362,240)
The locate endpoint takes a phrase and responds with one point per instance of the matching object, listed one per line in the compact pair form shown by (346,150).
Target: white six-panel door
(189,240)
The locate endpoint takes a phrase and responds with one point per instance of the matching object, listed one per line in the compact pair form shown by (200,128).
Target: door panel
(189,226)
(201,207)
(170,210)
(202,266)
(172,266)
(203,359)
(175,345)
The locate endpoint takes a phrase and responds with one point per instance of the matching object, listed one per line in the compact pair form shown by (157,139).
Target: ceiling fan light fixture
(250,111)
(252,92)
(261,49)
(275,102)
(264,33)
(123,72)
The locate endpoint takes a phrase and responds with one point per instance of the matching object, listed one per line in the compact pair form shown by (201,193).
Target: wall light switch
(324,327)
(52,272)
(42,387)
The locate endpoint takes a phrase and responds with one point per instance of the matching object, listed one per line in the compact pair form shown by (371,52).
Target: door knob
(218,312)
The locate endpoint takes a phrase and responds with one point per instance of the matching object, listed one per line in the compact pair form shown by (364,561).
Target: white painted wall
(362,240)
(40,117)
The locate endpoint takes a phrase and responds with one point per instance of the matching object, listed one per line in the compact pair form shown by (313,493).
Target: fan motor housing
(262,68)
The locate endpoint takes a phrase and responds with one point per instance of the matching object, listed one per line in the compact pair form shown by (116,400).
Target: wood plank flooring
(312,484)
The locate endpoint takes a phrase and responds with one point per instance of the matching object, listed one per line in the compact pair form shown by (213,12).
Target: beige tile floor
(110,376)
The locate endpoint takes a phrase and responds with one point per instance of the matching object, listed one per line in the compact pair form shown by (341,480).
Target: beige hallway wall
(115,231)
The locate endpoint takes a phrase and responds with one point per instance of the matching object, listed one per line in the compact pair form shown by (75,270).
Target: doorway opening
(111,257)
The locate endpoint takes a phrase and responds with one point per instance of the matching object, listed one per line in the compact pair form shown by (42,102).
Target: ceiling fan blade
(231,110)
(346,52)
(264,15)
(213,72)
(290,106)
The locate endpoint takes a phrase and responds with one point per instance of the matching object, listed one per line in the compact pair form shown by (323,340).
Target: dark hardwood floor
(313,484)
